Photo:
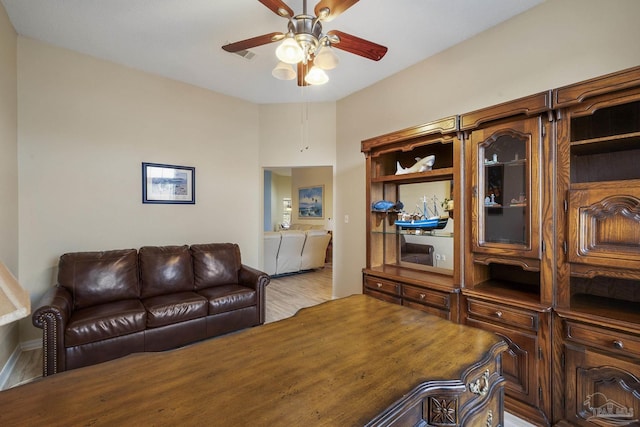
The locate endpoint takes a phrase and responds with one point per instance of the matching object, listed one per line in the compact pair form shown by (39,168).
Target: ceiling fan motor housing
(307,31)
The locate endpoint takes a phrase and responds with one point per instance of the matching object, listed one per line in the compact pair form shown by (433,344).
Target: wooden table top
(340,363)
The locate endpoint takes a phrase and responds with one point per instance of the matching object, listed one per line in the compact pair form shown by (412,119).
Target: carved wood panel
(601,390)
(604,226)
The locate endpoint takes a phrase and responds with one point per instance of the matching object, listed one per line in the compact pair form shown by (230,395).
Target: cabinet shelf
(502,291)
(519,162)
(442,282)
(606,308)
(505,207)
(605,158)
(605,144)
(432,233)
(432,175)
(605,184)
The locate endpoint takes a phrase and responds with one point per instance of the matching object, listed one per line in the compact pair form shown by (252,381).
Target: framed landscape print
(168,184)
(311,202)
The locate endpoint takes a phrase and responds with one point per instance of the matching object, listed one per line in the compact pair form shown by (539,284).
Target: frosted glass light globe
(289,51)
(316,76)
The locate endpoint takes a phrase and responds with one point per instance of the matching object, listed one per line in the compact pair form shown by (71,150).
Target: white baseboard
(513,421)
(8,368)
(31,345)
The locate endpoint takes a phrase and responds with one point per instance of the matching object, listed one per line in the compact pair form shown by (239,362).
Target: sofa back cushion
(216,264)
(165,270)
(99,277)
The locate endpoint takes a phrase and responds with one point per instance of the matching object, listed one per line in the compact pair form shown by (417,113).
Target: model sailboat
(429,219)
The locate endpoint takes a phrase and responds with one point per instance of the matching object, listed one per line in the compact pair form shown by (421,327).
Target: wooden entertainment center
(544,235)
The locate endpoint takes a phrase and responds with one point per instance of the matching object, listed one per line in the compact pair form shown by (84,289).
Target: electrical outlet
(346,219)
(438,257)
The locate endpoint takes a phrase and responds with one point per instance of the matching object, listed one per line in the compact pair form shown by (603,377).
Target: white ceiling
(182,39)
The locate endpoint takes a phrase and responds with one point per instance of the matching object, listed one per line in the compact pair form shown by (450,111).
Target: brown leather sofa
(416,253)
(112,303)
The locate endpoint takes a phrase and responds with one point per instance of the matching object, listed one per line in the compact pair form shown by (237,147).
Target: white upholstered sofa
(293,251)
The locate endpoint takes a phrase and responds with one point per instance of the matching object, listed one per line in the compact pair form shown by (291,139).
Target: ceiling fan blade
(253,42)
(278,7)
(302,70)
(336,7)
(358,46)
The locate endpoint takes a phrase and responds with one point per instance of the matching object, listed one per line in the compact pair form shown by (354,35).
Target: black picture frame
(168,184)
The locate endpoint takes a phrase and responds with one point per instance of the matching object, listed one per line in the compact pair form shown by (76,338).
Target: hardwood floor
(288,294)
(285,296)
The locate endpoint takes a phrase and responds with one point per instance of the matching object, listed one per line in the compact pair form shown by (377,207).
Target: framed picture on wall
(168,184)
(311,202)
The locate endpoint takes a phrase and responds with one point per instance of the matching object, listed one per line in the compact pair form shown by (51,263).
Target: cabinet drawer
(505,315)
(383,297)
(382,285)
(615,341)
(425,296)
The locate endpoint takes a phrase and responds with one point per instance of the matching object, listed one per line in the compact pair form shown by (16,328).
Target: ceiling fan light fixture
(316,76)
(304,43)
(283,71)
(289,51)
(326,58)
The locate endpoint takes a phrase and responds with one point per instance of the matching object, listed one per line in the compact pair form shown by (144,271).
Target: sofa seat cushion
(164,310)
(105,321)
(226,298)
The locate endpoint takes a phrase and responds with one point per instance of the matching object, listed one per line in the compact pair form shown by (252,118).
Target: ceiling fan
(306,45)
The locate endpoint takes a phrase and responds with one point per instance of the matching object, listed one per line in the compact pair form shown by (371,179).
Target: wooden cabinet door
(519,363)
(488,415)
(599,389)
(506,187)
(604,224)
(525,364)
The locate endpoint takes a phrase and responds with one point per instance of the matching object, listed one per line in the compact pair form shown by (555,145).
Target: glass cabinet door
(506,189)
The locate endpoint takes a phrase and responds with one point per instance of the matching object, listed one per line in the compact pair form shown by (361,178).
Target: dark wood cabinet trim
(527,106)
(578,92)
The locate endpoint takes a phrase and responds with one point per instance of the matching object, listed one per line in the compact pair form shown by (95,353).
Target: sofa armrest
(52,314)
(418,248)
(258,280)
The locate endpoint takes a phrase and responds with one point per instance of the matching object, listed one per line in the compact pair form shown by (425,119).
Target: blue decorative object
(423,224)
(386,206)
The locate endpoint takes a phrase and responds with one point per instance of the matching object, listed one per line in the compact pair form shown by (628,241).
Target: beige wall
(294,135)
(85,127)
(556,43)
(8,168)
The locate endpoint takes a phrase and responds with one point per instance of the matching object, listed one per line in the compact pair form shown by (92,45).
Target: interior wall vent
(246,54)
